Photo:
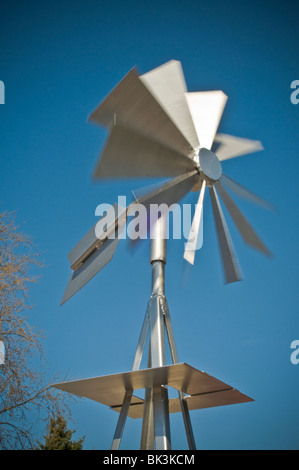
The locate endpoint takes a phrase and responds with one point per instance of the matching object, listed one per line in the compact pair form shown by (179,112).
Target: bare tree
(25,393)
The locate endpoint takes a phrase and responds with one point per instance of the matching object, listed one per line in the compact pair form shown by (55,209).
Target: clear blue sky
(58,60)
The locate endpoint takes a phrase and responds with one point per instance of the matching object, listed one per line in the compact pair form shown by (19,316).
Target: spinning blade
(167,84)
(195,239)
(246,231)
(163,197)
(230,262)
(206,108)
(228,146)
(133,104)
(129,154)
(245,193)
(170,192)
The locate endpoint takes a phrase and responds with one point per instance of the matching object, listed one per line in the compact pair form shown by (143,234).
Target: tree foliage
(25,394)
(59,437)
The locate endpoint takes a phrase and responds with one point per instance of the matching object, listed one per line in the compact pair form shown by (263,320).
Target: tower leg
(122,420)
(148,434)
(175,360)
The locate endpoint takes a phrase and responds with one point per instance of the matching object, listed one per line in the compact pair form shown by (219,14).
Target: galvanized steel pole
(157,338)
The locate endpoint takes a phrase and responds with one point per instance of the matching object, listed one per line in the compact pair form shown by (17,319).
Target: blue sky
(58,60)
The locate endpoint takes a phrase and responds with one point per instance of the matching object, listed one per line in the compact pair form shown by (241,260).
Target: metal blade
(167,84)
(133,104)
(230,262)
(246,231)
(169,193)
(163,197)
(243,192)
(195,239)
(96,260)
(88,270)
(130,154)
(228,146)
(206,109)
(93,239)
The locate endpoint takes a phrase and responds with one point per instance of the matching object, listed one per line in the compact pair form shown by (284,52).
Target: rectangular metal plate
(206,391)
(221,398)
(196,402)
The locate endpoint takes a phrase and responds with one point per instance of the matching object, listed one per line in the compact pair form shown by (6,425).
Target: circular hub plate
(210,164)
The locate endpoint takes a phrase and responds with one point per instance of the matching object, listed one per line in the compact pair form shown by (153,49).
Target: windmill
(159,129)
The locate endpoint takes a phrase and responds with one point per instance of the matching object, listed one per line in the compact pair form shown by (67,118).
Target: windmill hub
(209,164)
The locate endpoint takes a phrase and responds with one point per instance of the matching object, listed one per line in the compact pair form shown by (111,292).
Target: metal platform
(203,390)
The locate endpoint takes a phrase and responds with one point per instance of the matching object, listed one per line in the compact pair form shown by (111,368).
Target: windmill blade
(243,192)
(230,262)
(160,200)
(195,239)
(246,231)
(206,109)
(130,154)
(133,104)
(167,84)
(95,250)
(227,146)
(93,265)
(169,193)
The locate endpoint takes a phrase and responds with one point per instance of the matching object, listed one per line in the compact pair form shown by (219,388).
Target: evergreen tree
(59,437)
